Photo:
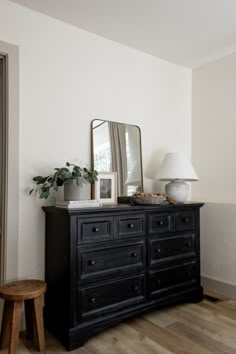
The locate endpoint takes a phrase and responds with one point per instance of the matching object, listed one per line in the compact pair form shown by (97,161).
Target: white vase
(74,192)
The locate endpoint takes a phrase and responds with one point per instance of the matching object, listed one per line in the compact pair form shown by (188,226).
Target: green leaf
(38,179)
(71,172)
(55,187)
(79,181)
(30,192)
(59,182)
(44,195)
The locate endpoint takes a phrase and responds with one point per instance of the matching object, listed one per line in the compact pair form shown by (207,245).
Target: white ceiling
(187,32)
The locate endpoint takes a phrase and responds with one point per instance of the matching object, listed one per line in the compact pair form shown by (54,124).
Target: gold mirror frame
(118,153)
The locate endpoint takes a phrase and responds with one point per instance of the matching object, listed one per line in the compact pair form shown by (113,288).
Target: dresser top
(123,208)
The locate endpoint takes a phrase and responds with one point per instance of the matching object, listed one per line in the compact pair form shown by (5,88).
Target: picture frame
(105,188)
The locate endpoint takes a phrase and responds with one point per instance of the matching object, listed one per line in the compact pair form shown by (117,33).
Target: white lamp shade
(176,165)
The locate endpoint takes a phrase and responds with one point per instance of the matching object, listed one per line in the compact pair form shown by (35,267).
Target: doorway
(3,158)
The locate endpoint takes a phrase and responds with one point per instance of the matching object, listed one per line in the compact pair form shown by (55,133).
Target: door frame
(3,166)
(10,234)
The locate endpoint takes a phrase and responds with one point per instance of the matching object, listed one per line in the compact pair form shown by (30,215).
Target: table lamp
(177,169)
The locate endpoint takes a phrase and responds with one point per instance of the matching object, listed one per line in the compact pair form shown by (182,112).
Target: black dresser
(106,264)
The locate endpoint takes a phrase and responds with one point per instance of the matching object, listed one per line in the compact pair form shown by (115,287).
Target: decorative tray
(148,198)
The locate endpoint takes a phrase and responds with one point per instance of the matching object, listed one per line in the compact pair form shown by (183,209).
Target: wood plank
(167,339)
(161,318)
(209,343)
(220,310)
(88,348)
(207,323)
(212,312)
(203,328)
(128,340)
(230,303)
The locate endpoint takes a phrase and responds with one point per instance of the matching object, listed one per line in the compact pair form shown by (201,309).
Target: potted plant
(72,177)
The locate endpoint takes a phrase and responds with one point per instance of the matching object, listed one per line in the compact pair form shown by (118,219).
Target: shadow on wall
(218,247)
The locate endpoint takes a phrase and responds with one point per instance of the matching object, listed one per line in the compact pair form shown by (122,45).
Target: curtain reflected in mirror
(116,147)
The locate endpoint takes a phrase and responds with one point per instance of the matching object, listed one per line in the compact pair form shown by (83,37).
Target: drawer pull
(157,250)
(92,300)
(185,220)
(158,282)
(130,226)
(161,223)
(95,229)
(134,254)
(91,262)
(188,244)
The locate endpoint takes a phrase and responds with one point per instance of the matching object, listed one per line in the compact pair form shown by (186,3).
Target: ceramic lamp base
(177,190)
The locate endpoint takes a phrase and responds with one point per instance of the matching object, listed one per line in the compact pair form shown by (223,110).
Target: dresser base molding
(109,264)
(80,334)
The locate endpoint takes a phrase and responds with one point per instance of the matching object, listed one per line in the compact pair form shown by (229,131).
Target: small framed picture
(106,188)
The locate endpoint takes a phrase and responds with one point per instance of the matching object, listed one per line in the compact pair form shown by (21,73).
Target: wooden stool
(14,294)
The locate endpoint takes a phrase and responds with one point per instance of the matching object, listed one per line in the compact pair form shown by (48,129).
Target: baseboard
(218,287)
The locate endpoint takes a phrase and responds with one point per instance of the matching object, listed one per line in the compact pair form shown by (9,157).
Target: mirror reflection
(116,147)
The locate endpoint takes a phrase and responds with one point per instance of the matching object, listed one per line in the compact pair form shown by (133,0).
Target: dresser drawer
(168,249)
(111,296)
(95,229)
(107,260)
(185,220)
(131,226)
(160,223)
(167,281)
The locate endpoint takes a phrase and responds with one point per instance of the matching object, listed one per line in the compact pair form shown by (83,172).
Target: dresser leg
(198,296)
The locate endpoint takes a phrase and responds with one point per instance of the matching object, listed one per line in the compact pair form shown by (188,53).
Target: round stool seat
(23,290)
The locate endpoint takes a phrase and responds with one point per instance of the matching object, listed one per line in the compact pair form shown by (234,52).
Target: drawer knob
(158,282)
(91,262)
(185,220)
(134,254)
(95,229)
(161,222)
(135,288)
(157,250)
(130,226)
(188,244)
(92,300)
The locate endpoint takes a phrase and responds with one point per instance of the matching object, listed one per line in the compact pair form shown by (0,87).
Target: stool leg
(4,338)
(29,318)
(38,323)
(11,323)
(15,326)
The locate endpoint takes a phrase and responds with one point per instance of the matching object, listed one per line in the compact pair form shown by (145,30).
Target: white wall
(69,77)
(218,246)
(213,130)
(213,155)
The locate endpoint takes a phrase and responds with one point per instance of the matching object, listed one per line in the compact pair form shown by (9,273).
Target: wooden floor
(203,328)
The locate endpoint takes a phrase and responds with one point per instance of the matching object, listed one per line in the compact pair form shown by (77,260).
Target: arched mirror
(116,147)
